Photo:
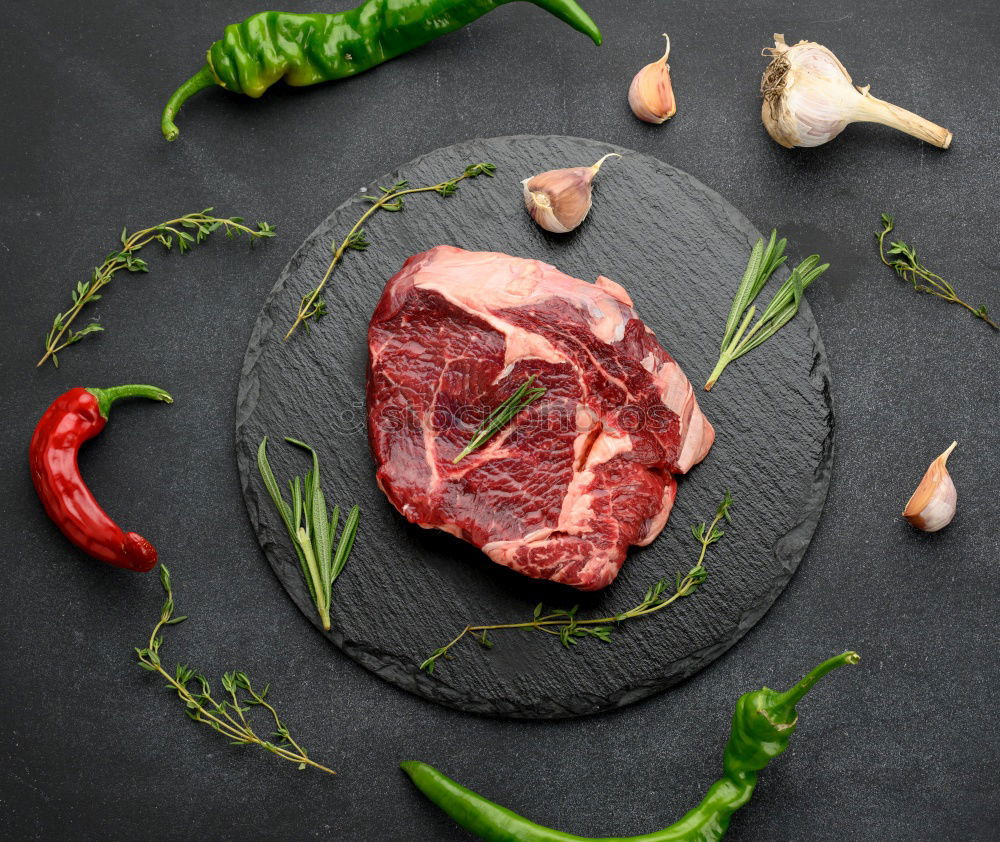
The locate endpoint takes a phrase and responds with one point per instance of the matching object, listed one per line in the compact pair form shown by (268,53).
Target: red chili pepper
(73,418)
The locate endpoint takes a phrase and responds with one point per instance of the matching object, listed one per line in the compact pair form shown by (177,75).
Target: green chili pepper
(763,723)
(305,49)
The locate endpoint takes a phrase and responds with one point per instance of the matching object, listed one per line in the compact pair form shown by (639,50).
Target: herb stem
(501,416)
(202,707)
(60,336)
(322,603)
(571,628)
(725,358)
(909,268)
(311,306)
(739,338)
(312,529)
(306,308)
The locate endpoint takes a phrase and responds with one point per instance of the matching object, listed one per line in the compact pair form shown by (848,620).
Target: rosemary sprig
(311,528)
(499,417)
(313,306)
(764,260)
(565,624)
(188,230)
(923,279)
(230,716)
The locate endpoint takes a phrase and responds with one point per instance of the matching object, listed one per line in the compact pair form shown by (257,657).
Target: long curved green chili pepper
(305,49)
(763,723)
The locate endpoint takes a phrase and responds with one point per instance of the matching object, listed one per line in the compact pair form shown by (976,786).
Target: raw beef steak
(565,488)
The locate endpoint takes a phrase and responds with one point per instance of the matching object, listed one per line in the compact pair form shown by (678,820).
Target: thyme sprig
(501,416)
(313,306)
(309,528)
(909,268)
(188,230)
(570,629)
(764,260)
(231,716)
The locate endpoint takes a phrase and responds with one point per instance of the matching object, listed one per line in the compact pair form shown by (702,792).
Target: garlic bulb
(932,505)
(809,98)
(651,96)
(559,200)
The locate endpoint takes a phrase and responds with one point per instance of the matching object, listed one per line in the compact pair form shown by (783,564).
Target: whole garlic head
(932,505)
(651,94)
(559,200)
(809,98)
(807,94)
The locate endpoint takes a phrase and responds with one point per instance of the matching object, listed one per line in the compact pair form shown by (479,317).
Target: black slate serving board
(679,249)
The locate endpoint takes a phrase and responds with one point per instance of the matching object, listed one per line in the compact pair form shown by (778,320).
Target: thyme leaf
(499,417)
(230,715)
(311,528)
(61,335)
(565,625)
(905,263)
(738,337)
(312,307)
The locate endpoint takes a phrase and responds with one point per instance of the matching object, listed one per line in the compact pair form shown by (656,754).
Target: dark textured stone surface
(901,748)
(408,591)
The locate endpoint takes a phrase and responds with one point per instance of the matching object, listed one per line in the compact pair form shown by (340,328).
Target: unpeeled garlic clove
(809,98)
(651,94)
(932,505)
(559,200)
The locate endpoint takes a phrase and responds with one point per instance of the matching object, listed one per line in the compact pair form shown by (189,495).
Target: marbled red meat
(563,490)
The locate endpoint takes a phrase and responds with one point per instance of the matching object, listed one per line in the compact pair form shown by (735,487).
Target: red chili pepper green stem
(74,418)
(763,724)
(306,49)
(106,397)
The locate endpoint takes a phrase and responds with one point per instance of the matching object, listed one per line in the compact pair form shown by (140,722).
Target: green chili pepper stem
(204,78)
(784,704)
(106,397)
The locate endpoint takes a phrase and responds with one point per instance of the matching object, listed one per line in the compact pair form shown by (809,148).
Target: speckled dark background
(902,748)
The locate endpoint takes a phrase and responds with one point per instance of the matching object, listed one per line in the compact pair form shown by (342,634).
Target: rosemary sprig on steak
(564,623)
(499,417)
(737,339)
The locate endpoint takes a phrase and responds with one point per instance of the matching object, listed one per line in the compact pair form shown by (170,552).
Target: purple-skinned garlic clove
(559,200)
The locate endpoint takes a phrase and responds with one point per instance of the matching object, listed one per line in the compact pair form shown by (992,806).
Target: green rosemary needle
(310,530)
(500,416)
(764,260)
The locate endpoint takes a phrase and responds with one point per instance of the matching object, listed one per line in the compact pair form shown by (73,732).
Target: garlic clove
(932,505)
(809,98)
(559,200)
(651,94)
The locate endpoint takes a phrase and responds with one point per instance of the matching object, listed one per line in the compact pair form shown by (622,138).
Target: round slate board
(679,249)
